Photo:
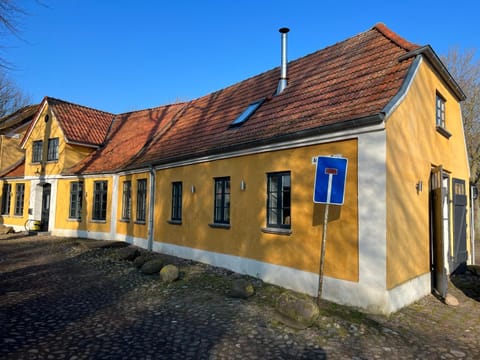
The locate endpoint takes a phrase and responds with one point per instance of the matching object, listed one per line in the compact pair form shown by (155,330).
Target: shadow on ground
(55,303)
(468,282)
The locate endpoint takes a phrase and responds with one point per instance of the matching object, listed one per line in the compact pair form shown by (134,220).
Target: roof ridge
(380,27)
(394,37)
(78,105)
(19,110)
(153,108)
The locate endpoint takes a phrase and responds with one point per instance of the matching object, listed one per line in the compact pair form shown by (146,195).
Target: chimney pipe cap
(284,30)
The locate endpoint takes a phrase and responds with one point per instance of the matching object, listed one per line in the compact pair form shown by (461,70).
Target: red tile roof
(346,83)
(81,124)
(19,119)
(128,135)
(351,80)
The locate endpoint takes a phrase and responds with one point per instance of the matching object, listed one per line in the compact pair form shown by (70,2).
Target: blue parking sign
(330,178)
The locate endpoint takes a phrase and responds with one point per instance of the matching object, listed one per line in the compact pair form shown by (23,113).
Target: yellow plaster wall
(62,220)
(299,250)
(413,147)
(73,154)
(132,227)
(10,151)
(44,131)
(11,218)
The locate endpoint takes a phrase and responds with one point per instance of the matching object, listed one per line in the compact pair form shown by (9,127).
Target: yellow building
(228,178)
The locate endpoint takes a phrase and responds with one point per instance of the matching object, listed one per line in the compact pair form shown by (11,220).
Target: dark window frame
(126,200)
(279,200)
(440,105)
(177,189)
(52,149)
(100,197)
(19,199)
(37,151)
(221,200)
(76,200)
(6,197)
(141,200)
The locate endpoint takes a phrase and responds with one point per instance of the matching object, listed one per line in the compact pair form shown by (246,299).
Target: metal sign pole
(330,173)
(322,254)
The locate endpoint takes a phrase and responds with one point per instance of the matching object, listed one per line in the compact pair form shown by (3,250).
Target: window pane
(278,200)
(176,201)
(440,113)
(76,193)
(126,200)
(52,151)
(37,150)
(221,211)
(100,200)
(19,199)
(6,199)
(141,199)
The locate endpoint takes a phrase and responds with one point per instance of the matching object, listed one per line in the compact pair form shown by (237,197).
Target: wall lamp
(243,185)
(192,189)
(419,186)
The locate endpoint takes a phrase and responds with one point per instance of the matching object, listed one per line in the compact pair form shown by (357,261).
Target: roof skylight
(247,113)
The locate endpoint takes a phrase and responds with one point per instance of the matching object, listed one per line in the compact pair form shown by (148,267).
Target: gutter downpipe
(472,225)
(151,209)
(1,151)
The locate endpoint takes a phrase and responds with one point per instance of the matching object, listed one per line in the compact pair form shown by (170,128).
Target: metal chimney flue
(282,84)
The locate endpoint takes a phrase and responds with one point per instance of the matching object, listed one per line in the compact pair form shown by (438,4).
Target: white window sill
(278,231)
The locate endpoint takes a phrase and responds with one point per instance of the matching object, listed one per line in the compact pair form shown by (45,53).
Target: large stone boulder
(140,260)
(241,289)
(128,253)
(152,266)
(297,310)
(169,273)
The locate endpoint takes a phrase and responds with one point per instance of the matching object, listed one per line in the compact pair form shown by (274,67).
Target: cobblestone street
(72,299)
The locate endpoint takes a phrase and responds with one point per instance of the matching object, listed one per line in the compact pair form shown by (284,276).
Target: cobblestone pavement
(72,299)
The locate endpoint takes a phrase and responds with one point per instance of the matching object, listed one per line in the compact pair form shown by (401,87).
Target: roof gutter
(81,144)
(151,208)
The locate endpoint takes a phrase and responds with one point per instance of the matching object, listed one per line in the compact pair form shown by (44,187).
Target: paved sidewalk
(71,299)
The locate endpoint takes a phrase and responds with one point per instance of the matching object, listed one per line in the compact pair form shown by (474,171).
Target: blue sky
(123,55)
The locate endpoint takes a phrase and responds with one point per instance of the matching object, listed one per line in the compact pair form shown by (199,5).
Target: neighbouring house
(12,129)
(227,179)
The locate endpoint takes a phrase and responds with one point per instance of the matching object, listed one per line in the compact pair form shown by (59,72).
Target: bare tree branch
(11,97)
(466,71)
